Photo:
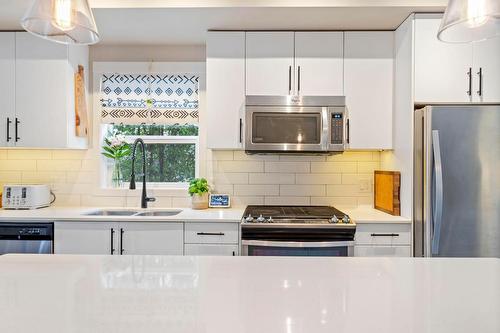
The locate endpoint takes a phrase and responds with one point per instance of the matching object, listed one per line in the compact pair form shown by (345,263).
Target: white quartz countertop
(78,214)
(368,214)
(55,293)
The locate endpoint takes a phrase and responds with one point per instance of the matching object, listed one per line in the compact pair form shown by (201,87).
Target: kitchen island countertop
(47,293)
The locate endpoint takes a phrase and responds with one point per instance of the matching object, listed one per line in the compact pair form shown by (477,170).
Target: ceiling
(157,22)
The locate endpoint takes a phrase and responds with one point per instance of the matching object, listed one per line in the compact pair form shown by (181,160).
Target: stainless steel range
(297,231)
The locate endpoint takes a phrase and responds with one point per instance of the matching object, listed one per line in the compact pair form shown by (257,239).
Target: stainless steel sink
(112,212)
(159,213)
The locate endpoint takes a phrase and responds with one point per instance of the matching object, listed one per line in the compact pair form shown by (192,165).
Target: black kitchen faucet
(144,198)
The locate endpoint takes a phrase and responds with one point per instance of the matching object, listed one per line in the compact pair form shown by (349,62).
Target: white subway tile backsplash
(315,178)
(354,156)
(271,178)
(289,201)
(256,190)
(22,154)
(18,165)
(240,166)
(246,200)
(334,201)
(353,178)
(368,167)
(334,167)
(284,167)
(345,191)
(302,190)
(231,178)
(302,158)
(58,165)
(222,155)
(224,189)
(240,155)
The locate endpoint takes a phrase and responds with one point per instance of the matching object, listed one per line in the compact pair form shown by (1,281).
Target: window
(162,109)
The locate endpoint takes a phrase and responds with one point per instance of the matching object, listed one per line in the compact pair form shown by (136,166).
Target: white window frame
(198,68)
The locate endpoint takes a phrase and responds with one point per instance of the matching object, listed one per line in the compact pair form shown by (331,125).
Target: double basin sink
(128,212)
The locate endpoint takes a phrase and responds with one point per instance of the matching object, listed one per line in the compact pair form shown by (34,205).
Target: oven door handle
(297,244)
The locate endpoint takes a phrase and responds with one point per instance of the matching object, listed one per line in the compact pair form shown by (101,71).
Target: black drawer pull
(384,235)
(210,233)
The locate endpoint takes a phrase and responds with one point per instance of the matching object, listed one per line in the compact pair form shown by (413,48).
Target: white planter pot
(199,201)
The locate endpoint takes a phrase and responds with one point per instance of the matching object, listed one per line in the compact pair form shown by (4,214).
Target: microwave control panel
(337,128)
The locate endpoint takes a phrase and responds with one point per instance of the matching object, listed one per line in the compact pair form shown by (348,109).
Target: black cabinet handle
(241,130)
(8,129)
(234,253)
(289,80)
(112,241)
(384,235)
(121,241)
(298,80)
(480,73)
(469,73)
(16,129)
(348,131)
(210,233)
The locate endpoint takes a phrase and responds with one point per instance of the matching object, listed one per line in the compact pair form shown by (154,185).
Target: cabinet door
(319,63)
(225,89)
(42,72)
(382,251)
(269,63)
(151,238)
(85,238)
(7,91)
(487,59)
(210,250)
(368,77)
(441,69)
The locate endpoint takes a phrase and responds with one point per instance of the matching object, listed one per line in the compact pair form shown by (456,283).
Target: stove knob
(249,218)
(334,219)
(270,219)
(346,219)
(261,219)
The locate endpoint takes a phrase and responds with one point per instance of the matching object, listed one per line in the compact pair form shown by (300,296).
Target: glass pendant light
(470,20)
(63,21)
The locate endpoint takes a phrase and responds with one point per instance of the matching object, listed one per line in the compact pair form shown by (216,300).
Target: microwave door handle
(297,244)
(438,198)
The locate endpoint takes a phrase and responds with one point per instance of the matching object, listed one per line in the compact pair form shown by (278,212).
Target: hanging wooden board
(386,191)
(81,118)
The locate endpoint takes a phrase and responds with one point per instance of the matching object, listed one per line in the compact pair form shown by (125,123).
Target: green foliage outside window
(165,162)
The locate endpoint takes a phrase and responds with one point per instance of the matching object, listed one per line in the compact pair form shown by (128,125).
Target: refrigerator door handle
(438,199)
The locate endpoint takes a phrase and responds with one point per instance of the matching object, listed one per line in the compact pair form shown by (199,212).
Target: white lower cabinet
(85,238)
(383,240)
(138,238)
(146,238)
(118,238)
(382,251)
(211,249)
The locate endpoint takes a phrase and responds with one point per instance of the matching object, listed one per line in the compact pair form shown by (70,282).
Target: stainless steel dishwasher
(26,238)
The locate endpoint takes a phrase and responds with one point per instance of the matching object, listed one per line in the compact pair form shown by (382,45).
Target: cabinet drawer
(382,251)
(211,233)
(383,234)
(211,250)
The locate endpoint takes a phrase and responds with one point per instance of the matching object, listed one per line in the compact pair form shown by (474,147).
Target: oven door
(297,249)
(286,129)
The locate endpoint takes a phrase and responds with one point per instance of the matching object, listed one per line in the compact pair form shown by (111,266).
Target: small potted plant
(116,148)
(198,190)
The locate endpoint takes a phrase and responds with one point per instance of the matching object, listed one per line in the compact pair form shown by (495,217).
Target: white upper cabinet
(368,81)
(454,73)
(486,69)
(7,89)
(40,91)
(269,63)
(319,64)
(225,89)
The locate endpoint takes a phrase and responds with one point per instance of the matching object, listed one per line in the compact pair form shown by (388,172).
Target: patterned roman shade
(149,98)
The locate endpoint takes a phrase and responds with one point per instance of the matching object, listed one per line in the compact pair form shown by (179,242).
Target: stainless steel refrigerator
(456,201)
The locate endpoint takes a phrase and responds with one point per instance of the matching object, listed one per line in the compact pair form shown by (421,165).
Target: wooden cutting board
(81,119)
(386,191)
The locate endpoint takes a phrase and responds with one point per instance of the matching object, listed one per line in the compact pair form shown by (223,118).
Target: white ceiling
(154,22)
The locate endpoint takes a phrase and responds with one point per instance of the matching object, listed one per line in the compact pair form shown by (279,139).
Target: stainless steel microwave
(296,124)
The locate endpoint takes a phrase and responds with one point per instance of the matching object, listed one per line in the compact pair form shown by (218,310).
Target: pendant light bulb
(467,21)
(63,14)
(62,21)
